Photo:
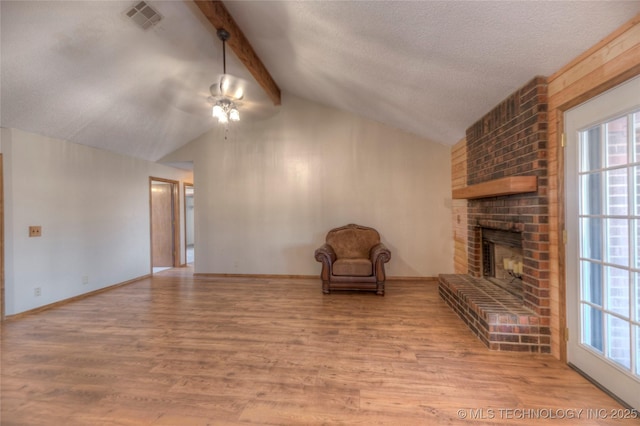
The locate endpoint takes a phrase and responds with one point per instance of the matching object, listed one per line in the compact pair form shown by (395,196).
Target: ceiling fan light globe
(223,119)
(217,111)
(234,115)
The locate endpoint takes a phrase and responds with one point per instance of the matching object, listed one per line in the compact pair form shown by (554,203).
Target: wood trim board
(497,187)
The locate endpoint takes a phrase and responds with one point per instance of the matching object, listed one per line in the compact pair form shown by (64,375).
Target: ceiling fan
(226,99)
(228,93)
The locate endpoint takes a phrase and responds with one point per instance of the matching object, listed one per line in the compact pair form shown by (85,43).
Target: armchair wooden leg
(325,287)
(380,289)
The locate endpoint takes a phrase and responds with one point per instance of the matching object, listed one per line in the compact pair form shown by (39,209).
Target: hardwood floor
(174,350)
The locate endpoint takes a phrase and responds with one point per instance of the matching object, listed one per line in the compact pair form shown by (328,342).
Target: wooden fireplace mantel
(494,188)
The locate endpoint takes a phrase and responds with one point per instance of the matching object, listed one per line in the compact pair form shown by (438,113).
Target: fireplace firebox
(502,259)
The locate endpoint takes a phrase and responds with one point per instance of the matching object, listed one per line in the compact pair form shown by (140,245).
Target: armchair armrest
(325,252)
(379,252)
(379,255)
(327,256)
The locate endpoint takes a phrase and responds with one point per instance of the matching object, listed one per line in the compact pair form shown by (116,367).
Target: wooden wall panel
(459,180)
(459,164)
(610,62)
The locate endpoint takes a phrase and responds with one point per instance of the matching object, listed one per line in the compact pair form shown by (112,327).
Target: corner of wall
(6,139)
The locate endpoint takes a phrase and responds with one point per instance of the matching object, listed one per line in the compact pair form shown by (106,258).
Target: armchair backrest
(352,241)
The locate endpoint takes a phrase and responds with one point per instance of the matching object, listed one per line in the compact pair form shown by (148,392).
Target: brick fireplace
(509,141)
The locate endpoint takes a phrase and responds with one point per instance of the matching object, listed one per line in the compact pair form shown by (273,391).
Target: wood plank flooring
(174,350)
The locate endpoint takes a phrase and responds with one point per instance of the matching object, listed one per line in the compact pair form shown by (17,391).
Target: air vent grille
(144,15)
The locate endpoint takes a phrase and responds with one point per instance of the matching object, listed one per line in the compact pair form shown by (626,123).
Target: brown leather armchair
(353,258)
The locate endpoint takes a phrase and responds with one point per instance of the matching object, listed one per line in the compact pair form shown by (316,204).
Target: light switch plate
(35,231)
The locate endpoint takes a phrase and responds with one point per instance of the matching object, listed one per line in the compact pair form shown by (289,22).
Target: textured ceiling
(81,71)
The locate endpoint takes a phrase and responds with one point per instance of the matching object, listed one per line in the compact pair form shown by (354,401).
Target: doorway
(1,239)
(164,208)
(602,175)
(189,229)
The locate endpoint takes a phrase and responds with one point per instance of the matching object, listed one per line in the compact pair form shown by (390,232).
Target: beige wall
(608,63)
(267,195)
(93,207)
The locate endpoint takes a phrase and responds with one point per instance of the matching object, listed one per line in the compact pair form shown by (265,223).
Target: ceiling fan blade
(181,96)
(229,86)
(256,111)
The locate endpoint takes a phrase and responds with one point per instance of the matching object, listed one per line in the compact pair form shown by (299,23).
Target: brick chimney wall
(511,140)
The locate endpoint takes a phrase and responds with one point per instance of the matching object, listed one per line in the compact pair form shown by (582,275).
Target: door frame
(175,201)
(184,193)
(2,300)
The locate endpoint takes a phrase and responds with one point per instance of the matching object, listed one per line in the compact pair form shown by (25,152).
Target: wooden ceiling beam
(218,15)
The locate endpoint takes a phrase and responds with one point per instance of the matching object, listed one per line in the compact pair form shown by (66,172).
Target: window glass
(636,280)
(591,194)
(617,243)
(635,226)
(636,124)
(616,131)
(591,144)
(617,289)
(618,341)
(592,327)
(635,173)
(591,241)
(637,333)
(617,192)
(592,282)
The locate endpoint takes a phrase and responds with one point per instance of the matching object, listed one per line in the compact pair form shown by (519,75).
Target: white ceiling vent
(144,15)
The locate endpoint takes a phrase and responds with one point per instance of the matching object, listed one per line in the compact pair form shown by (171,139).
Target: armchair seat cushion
(353,267)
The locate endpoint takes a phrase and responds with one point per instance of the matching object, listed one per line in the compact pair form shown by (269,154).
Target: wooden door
(162,224)
(189,228)
(1,240)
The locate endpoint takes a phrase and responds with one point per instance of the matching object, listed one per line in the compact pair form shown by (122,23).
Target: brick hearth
(499,319)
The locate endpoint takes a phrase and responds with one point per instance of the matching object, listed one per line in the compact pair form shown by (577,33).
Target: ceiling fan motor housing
(223,34)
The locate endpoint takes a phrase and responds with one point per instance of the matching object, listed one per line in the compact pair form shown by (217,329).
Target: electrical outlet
(35,231)
(37,291)
(85,279)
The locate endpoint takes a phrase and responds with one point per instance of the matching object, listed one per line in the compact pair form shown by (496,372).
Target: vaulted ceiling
(84,72)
